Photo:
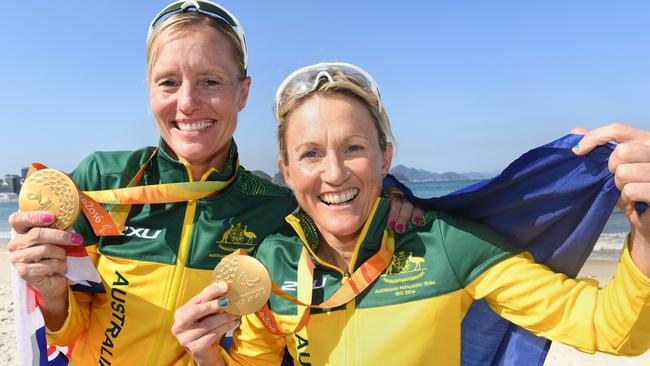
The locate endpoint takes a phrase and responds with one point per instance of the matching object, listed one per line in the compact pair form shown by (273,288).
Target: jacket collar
(369,240)
(173,170)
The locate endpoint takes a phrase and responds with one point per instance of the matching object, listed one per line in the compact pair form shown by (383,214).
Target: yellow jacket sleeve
(79,304)
(254,345)
(615,319)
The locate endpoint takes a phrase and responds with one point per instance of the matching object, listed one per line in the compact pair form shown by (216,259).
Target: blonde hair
(179,22)
(342,85)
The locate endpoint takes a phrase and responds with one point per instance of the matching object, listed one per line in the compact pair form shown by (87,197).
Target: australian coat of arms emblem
(404,268)
(236,237)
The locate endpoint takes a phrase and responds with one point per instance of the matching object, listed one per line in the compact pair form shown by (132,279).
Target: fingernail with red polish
(399,228)
(391,225)
(77,239)
(417,219)
(48,217)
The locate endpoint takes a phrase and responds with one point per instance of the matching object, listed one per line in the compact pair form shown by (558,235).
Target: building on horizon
(9,196)
(13,181)
(23,173)
(4,187)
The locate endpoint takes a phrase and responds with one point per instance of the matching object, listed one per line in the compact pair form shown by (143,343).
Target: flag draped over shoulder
(550,202)
(32,347)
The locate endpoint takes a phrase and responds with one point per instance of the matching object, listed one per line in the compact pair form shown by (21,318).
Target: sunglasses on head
(307,79)
(204,7)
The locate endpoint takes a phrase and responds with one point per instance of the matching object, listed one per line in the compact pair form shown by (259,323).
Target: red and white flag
(30,326)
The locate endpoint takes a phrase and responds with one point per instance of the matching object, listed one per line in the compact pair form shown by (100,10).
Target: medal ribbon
(367,273)
(111,223)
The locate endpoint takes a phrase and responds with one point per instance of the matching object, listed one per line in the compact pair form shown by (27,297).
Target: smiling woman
(197,85)
(195,99)
(335,167)
(335,151)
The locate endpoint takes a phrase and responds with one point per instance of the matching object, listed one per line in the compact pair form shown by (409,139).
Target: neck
(337,251)
(198,168)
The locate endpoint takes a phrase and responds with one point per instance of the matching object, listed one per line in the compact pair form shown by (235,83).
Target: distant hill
(279,179)
(261,174)
(276,179)
(402,173)
(407,174)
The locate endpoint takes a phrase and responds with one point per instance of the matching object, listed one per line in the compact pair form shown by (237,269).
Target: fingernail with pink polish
(48,218)
(417,219)
(391,225)
(77,239)
(399,228)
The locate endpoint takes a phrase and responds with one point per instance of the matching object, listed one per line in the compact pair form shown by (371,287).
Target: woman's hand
(201,322)
(630,163)
(401,211)
(36,254)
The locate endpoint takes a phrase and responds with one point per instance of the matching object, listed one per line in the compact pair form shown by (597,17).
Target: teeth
(334,198)
(197,126)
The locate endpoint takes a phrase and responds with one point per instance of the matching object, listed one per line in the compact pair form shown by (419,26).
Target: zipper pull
(346,274)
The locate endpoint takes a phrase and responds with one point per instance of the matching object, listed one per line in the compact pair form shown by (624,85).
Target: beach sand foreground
(560,355)
(7,328)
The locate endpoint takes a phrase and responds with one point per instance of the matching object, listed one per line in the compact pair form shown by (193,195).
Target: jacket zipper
(171,301)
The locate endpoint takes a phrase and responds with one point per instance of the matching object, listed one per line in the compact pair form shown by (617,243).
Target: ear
(387,159)
(244,88)
(284,169)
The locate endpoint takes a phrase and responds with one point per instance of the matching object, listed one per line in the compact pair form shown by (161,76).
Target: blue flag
(550,202)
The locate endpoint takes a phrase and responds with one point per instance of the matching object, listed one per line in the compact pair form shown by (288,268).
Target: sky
(468,86)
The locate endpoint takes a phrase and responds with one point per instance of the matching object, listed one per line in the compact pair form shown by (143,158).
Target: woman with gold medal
(384,298)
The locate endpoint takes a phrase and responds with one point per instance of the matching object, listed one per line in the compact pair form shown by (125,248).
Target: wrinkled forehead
(327,116)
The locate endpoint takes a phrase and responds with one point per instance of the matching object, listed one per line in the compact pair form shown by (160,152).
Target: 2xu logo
(293,285)
(140,232)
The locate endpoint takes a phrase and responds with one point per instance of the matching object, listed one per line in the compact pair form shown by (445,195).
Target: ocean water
(6,208)
(608,246)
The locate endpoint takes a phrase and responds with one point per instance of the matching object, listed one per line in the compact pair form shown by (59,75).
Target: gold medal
(250,283)
(53,191)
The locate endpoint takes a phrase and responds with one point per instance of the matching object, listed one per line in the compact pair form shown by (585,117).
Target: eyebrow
(347,138)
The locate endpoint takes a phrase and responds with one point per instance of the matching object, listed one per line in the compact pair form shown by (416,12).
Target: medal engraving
(53,191)
(250,283)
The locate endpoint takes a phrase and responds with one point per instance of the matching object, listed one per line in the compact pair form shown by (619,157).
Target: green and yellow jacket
(164,257)
(412,314)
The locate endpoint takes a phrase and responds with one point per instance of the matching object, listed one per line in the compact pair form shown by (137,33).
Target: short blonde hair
(342,85)
(180,22)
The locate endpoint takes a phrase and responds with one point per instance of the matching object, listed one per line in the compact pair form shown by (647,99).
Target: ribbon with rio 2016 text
(111,223)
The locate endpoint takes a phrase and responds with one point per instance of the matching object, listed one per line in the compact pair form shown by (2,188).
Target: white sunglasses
(307,79)
(204,7)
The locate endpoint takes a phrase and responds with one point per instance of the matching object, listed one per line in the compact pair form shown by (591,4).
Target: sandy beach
(560,355)
(7,330)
